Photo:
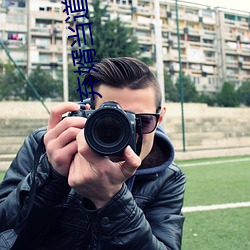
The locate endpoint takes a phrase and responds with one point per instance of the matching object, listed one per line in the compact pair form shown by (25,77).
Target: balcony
(3,9)
(194,32)
(55,48)
(145,40)
(181,15)
(241,25)
(41,47)
(210,60)
(208,34)
(232,64)
(170,57)
(207,20)
(192,17)
(147,54)
(245,65)
(41,31)
(15,44)
(210,46)
(21,62)
(46,15)
(141,26)
(144,11)
(124,9)
(13,27)
(229,37)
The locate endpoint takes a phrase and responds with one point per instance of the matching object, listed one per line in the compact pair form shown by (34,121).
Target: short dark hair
(123,72)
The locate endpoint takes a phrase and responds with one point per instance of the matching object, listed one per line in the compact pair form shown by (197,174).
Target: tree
(73,83)
(111,38)
(190,93)
(244,93)
(45,85)
(11,84)
(228,96)
(171,92)
(210,100)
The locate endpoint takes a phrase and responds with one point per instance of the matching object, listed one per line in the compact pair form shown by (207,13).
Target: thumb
(131,162)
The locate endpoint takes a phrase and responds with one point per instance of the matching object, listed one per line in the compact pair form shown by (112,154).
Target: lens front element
(108,131)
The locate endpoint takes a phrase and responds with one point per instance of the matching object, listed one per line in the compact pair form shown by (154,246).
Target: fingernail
(129,151)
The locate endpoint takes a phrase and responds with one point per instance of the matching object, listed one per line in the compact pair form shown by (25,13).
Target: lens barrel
(108,131)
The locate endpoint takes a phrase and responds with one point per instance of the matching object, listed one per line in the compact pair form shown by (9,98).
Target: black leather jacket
(144,215)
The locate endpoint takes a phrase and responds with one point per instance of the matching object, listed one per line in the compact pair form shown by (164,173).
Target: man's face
(137,101)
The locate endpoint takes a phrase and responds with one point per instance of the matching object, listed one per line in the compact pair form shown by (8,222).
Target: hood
(164,151)
(160,157)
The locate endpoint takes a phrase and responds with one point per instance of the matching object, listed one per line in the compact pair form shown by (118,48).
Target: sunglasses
(148,122)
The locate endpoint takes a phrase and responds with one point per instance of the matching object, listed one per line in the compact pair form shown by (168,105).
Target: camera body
(109,129)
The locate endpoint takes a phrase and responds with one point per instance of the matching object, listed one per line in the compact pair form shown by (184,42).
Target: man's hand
(98,178)
(60,139)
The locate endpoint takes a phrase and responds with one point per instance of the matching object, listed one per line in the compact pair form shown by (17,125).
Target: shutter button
(105,221)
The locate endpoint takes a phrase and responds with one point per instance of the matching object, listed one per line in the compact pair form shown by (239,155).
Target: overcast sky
(243,5)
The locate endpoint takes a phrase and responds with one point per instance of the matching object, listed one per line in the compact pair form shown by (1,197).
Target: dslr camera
(109,129)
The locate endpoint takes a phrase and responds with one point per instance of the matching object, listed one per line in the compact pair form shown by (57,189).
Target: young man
(85,200)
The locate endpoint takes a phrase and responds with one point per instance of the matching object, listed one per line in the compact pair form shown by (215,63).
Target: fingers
(69,123)
(58,111)
(60,138)
(132,162)
(83,148)
(60,159)
(54,140)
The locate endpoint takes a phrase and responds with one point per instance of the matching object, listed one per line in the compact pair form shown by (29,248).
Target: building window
(196,80)
(20,4)
(207,13)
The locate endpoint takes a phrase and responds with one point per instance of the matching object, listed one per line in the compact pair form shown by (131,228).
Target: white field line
(212,162)
(215,207)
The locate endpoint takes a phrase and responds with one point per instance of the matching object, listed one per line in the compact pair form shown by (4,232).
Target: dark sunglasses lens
(148,123)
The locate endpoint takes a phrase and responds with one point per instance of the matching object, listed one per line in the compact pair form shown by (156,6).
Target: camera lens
(108,131)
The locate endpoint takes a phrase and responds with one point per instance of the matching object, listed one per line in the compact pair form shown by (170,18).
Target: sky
(243,5)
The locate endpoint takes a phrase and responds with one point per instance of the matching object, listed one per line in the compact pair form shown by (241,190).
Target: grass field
(216,181)
(1,175)
(220,181)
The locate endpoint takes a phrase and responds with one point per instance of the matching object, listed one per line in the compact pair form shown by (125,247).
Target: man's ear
(163,111)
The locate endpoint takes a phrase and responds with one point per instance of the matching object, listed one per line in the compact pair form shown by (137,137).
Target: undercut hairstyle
(124,72)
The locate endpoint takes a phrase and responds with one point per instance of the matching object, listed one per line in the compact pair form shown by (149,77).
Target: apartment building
(13,31)
(214,42)
(233,38)
(45,35)
(32,32)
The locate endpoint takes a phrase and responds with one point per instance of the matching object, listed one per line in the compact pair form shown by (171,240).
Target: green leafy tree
(210,100)
(171,91)
(190,93)
(244,93)
(228,96)
(111,38)
(45,85)
(11,84)
(73,83)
